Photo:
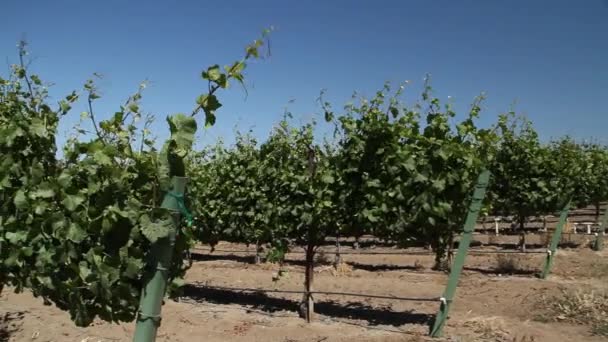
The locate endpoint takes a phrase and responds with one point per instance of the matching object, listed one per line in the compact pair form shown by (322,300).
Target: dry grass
(581,307)
(507,264)
(342,269)
(546,239)
(489,328)
(418,265)
(600,270)
(322,258)
(494,329)
(443,265)
(268,266)
(494,240)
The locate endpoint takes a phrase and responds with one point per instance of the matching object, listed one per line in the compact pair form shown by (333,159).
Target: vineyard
(396,226)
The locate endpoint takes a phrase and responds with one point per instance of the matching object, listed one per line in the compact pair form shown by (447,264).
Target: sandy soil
(489,306)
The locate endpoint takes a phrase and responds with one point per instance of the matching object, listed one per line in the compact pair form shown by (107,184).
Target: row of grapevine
(79,231)
(389,174)
(532,179)
(401,173)
(86,231)
(75,231)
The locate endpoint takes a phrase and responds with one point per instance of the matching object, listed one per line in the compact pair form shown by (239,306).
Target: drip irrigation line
(385,253)
(506,252)
(326,251)
(349,294)
(381,253)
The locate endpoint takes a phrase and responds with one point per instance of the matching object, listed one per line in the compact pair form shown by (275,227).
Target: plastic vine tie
(182,207)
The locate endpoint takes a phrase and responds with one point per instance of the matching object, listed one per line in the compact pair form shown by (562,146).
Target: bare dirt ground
(489,305)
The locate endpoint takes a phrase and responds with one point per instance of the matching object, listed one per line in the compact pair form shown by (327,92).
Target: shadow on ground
(195,256)
(202,257)
(497,271)
(10,323)
(333,309)
(247,259)
(381,267)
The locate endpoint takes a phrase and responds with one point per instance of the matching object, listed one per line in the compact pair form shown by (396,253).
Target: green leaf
(16,237)
(64,179)
(178,282)
(155,230)
(76,234)
(72,201)
(102,158)
(134,107)
(209,119)
(20,200)
(5,182)
(45,191)
(252,50)
(27,251)
(183,129)
(40,208)
(420,178)
(106,225)
(409,164)
(213,73)
(84,270)
(222,81)
(369,216)
(38,128)
(328,179)
(209,104)
(64,106)
(133,268)
(439,184)
(394,111)
(46,281)
(36,79)
(20,72)
(236,68)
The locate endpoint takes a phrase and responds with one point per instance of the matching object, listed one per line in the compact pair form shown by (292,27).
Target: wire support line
(507,252)
(195,250)
(349,294)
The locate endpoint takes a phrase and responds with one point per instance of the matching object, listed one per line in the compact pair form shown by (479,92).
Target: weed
(490,328)
(506,264)
(582,307)
(322,258)
(418,265)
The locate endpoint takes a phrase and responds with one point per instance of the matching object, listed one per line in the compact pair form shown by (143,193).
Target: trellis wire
(197,250)
(330,293)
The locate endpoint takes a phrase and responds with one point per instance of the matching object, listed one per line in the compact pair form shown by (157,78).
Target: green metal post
(557,235)
(463,247)
(148,318)
(599,239)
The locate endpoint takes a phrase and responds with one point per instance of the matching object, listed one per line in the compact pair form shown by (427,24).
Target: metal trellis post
(557,235)
(463,247)
(599,239)
(153,292)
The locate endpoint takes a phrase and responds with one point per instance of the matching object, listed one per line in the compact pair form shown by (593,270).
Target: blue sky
(548,57)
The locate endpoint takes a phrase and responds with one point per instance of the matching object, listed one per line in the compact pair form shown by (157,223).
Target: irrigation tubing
(198,250)
(326,251)
(349,294)
(506,252)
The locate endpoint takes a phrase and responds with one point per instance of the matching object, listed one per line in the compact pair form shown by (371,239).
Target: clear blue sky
(551,57)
